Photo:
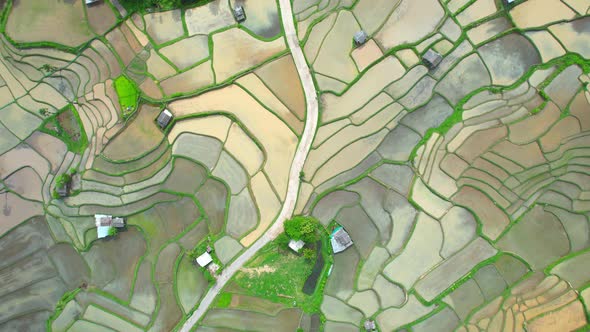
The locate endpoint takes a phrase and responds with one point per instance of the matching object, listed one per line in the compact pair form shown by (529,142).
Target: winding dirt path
(303,148)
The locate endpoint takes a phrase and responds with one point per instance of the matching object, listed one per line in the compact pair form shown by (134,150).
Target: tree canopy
(139,5)
(302,228)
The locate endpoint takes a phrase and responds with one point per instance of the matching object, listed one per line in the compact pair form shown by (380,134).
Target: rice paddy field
(464,186)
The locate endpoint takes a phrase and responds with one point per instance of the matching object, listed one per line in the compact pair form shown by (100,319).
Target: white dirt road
(303,148)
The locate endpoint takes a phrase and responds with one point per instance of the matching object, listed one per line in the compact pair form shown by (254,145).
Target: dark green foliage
(44,112)
(283,241)
(49,69)
(142,5)
(302,228)
(309,254)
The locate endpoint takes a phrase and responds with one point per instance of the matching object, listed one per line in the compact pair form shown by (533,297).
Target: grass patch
(128,94)
(224,300)
(67,126)
(278,275)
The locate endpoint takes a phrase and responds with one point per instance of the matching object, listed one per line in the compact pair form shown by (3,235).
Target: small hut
(164,119)
(360,38)
(340,240)
(296,245)
(239,14)
(63,191)
(431,59)
(118,222)
(370,325)
(204,260)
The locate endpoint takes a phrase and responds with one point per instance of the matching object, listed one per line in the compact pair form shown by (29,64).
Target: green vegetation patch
(302,228)
(61,304)
(143,5)
(67,126)
(277,275)
(224,300)
(128,94)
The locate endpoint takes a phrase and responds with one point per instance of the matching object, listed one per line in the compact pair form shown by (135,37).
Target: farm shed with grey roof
(360,38)
(340,240)
(431,59)
(164,119)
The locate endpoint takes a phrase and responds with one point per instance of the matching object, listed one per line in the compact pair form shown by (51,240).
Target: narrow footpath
(303,148)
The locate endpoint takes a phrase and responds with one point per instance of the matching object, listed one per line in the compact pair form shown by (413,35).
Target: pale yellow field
(278,141)
(234,51)
(215,126)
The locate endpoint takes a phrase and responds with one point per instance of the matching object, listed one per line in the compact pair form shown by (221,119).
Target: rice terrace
(295,165)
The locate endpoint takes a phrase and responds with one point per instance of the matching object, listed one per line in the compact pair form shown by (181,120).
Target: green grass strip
(60,306)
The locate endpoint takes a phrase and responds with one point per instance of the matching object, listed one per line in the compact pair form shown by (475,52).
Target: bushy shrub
(309,254)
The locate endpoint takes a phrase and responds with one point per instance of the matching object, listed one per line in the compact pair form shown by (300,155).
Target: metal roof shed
(164,119)
(239,14)
(296,245)
(370,325)
(431,59)
(204,260)
(340,240)
(360,38)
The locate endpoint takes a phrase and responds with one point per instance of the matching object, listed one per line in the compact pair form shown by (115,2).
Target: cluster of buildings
(339,239)
(104,224)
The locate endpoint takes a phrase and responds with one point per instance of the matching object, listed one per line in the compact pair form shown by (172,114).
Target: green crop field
(128,94)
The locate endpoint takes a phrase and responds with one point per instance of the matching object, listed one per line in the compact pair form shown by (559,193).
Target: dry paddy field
(465,188)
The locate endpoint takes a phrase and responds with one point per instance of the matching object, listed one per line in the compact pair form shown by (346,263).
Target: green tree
(283,241)
(302,228)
